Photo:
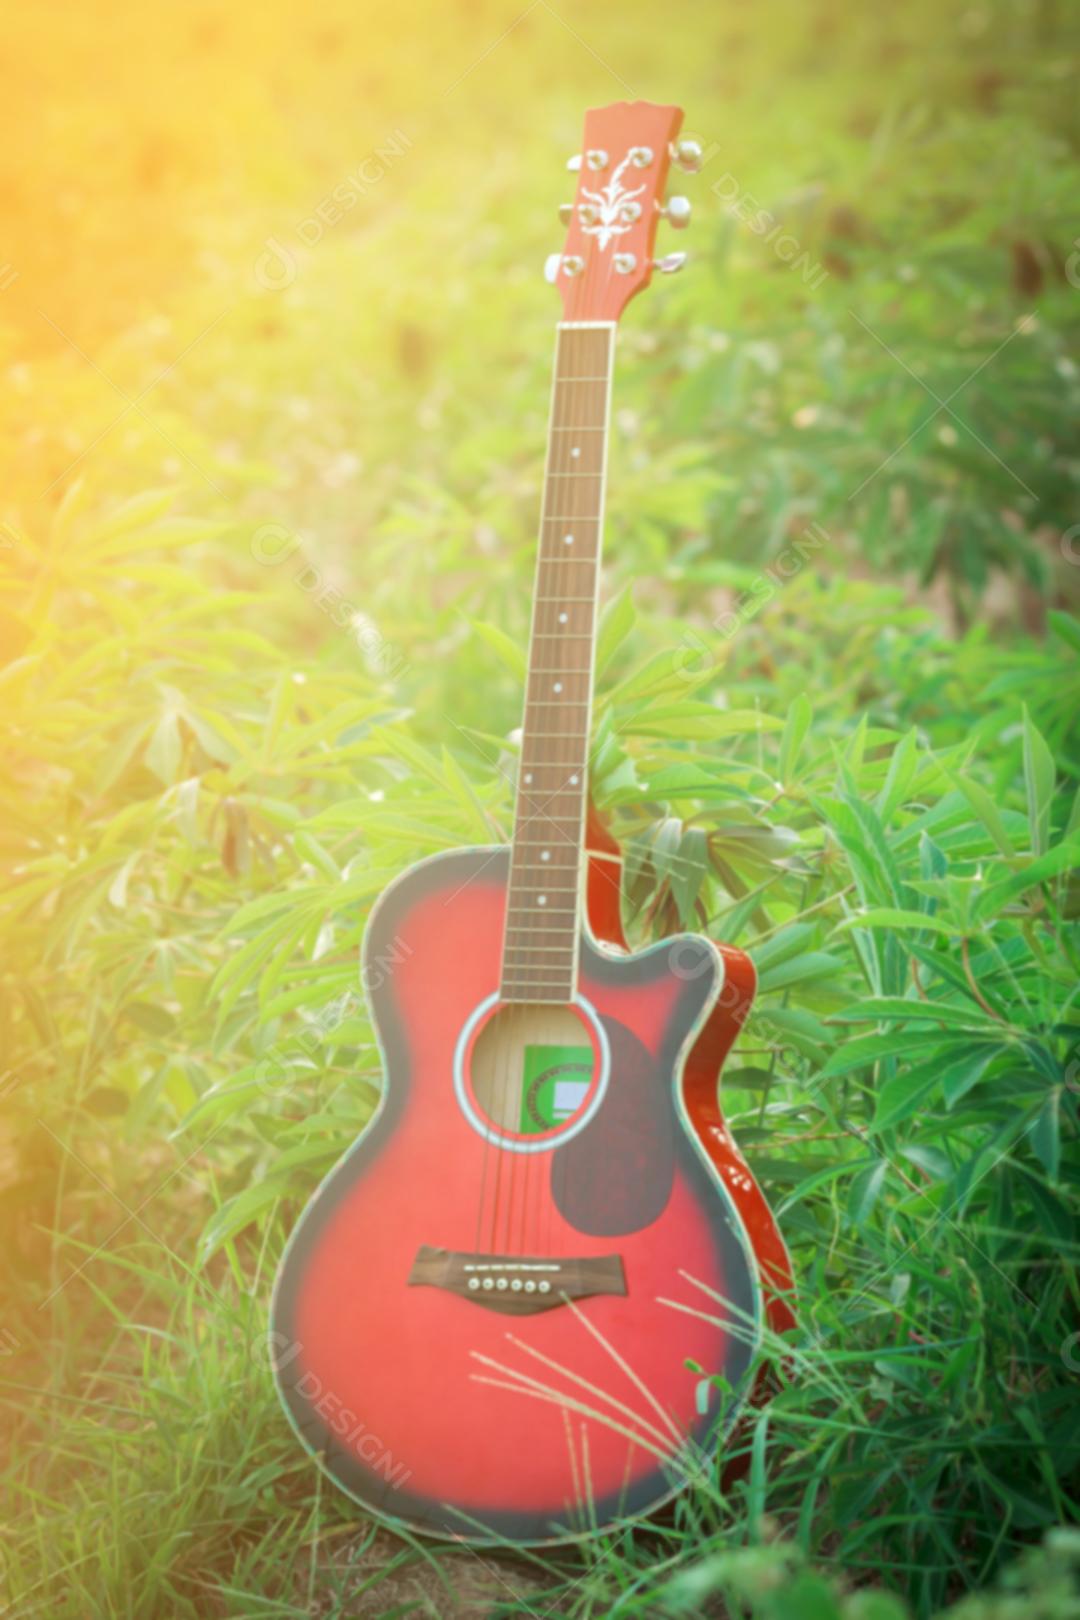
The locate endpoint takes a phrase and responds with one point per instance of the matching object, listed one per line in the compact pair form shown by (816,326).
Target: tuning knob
(688,155)
(671,262)
(566,212)
(568,264)
(677,212)
(595,158)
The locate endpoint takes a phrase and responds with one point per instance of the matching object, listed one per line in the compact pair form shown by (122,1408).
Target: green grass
(251,671)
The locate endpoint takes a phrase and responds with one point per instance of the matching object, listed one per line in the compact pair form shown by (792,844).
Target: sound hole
(534,1069)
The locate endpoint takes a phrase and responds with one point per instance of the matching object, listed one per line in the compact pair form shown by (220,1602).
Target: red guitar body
(444,1414)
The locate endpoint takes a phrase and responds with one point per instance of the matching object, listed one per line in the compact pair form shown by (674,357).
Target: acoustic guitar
(527,1303)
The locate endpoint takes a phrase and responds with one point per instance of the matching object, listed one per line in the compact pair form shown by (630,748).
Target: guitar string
(558,1168)
(562,401)
(510,1037)
(574,417)
(511,1028)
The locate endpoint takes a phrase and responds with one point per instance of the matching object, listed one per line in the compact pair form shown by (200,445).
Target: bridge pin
(474,1282)
(545,1288)
(489,1282)
(516,1285)
(502,1283)
(530,1287)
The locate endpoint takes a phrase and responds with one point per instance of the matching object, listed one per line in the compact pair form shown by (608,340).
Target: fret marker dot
(528,777)
(563,617)
(568,540)
(576,451)
(557,687)
(573,781)
(545,854)
(541,899)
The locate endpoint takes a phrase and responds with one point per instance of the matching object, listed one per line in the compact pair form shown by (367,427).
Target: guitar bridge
(517,1284)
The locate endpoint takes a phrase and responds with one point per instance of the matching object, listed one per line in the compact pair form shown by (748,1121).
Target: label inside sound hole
(555,1083)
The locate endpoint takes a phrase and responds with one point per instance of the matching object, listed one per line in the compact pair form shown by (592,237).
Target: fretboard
(540,948)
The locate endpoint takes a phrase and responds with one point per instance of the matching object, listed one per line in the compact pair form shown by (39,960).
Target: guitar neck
(540,949)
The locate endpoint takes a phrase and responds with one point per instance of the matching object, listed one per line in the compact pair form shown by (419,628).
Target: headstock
(626,153)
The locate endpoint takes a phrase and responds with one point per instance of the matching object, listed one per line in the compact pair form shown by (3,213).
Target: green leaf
(866,1188)
(996,896)
(958,1077)
(236,1213)
(1039,775)
(696,720)
(616,622)
(165,748)
(901,1096)
(149,1017)
(1046,1134)
(796,726)
(897,918)
(901,773)
(896,1009)
(810,965)
(514,654)
(987,812)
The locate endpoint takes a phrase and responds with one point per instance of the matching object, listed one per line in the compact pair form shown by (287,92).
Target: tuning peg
(671,262)
(677,212)
(570,265)
(595,158)
(566,212)
(688,155)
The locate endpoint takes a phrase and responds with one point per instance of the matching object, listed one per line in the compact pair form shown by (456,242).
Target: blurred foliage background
(276,347)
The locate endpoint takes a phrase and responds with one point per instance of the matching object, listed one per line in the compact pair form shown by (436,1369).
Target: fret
(601,428)
(541,888)
(561,973)
(581,379)
(522,993)
(560,735)
(566,848)
(554,818)
(545,974)
(540,817)
(552,913)
(557,993)
(555,765)
(556,703)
